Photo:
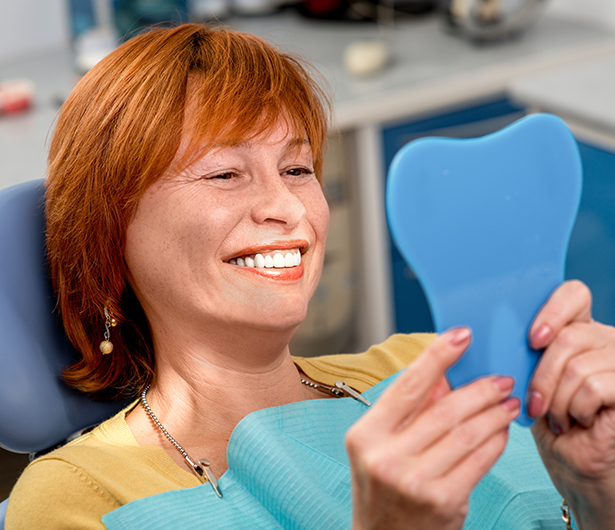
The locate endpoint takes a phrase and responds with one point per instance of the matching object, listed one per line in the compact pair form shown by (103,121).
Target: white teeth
(277,260)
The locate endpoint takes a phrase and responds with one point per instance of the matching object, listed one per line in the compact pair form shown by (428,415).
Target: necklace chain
(202,469)
(341,389)
(323,388)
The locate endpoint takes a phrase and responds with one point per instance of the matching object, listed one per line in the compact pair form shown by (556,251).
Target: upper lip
(301,244)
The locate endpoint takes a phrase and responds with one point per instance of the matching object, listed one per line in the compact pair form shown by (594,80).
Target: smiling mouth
(276,259)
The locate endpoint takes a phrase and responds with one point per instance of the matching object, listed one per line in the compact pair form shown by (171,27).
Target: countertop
(582,93)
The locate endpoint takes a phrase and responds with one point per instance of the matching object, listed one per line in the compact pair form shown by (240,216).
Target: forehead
(198,140)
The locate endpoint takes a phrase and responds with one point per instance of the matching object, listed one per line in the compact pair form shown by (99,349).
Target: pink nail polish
(534,407)
(459,336)
(511,404)
(541,337)
(504,384)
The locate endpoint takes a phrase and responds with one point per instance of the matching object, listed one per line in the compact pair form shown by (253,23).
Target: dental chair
(38,412)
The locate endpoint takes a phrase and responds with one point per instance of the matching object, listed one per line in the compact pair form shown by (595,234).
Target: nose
(276,203)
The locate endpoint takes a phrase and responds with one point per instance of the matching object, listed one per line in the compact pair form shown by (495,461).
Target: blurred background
(397,70)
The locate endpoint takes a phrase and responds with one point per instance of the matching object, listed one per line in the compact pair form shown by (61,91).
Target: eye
(221,176)
(299,172)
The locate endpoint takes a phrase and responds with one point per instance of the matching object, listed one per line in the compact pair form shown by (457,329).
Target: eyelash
(229,175)
(222,176)
(304,171)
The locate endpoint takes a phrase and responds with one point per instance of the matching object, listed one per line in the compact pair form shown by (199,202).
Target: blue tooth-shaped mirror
(484,223)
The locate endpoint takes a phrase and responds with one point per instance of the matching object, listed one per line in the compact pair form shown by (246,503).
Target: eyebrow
(295,142)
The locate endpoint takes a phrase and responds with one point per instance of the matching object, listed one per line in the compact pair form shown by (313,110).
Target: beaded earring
(106,346)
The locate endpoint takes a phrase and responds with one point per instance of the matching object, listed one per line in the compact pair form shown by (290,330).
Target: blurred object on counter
(367,57)
(361,10)
(134,16)
(16,95)
(255,7)
(204,10)
(484,20)
(93,32)
(92,46)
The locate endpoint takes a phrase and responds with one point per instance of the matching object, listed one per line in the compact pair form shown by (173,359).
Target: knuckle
(424,493)
(568,338)
(466,435)
(578,368)
(580,291)
(592,387)
(609,332)
(443,417)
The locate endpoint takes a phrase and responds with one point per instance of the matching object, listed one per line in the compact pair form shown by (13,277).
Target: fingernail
(541,337)
(459,336)
(504,384)
(534,407)
(511,404)
(554,426)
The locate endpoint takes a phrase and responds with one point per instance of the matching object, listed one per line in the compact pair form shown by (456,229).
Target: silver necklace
(202,469)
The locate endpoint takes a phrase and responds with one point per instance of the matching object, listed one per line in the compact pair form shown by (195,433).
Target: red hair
(117,133)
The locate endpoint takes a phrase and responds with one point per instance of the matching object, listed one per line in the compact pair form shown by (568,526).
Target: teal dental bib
(484,223)
(288,469)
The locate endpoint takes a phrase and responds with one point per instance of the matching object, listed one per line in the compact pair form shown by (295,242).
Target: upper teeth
(276,260)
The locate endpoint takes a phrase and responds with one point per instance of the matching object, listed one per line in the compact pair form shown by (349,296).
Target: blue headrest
(37,410)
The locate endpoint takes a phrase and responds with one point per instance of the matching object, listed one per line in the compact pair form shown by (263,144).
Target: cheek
(318,214)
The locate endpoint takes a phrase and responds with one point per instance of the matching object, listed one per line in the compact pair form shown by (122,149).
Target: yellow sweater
(74,486)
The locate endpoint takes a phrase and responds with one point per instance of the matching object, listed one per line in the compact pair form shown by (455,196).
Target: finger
(441,457)
(453,410)
(571,341)
(407,395)
(570,302)
(454,488)
(577,371)
(597,391)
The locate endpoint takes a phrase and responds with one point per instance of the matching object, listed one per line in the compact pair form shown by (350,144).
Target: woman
(186,227)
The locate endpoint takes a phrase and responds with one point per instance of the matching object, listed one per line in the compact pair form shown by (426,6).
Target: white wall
(601,12)
(28,26)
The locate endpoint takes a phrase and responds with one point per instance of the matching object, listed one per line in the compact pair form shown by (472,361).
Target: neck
(200,394)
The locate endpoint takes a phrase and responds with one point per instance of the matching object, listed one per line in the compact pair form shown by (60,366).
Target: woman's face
(219,244)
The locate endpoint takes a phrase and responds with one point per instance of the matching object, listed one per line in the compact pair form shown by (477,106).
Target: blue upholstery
(37,410)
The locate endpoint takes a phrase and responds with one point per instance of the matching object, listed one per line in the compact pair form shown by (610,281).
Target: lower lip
(281,275)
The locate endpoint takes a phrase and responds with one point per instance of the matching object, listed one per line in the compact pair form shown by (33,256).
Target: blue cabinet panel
(591,253)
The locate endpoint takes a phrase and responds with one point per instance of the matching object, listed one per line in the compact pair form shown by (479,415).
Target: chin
(280,322)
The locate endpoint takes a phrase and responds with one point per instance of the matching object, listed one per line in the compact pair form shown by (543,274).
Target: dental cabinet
(435,84)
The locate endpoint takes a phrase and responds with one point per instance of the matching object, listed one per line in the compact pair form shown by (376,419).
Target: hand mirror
(484,223)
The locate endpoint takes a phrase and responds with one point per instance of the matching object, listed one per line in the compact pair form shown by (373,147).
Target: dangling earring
(106,346)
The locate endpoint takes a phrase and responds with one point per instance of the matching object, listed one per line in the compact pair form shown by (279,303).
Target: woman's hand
(419,451)
(572,395)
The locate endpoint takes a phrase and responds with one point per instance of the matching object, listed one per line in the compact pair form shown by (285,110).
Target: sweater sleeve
(54,494)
